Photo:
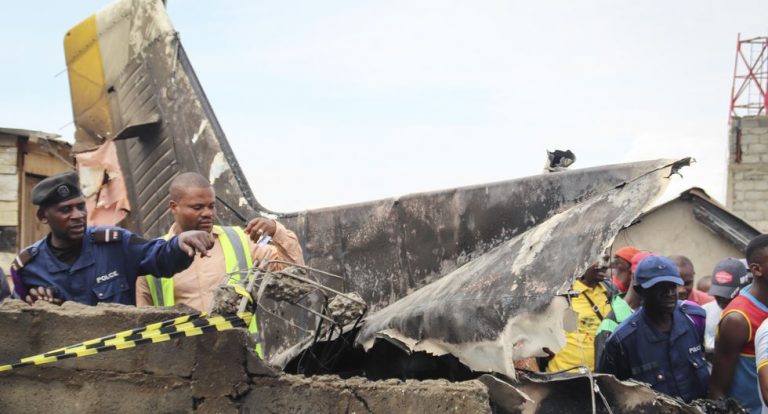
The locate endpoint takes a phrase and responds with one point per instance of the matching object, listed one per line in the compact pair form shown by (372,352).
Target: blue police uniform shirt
(672,363)
(106,270)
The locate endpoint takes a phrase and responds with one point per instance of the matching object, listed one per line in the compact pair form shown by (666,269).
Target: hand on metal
(260,226)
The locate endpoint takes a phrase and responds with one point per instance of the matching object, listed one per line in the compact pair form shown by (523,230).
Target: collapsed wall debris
(213,373)
(217,373)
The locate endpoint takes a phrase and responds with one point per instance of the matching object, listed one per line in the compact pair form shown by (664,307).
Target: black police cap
(55,189)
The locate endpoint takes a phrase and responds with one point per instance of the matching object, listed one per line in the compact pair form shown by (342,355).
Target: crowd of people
(639,315)
(641,318)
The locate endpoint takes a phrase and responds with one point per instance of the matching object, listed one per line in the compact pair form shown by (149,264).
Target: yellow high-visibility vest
(237,256)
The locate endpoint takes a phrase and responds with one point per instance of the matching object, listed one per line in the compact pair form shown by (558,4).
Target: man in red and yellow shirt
(734,373)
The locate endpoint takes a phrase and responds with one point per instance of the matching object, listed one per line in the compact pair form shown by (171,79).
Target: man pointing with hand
(89,265)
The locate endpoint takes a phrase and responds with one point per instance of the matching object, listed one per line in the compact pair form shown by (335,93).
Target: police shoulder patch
(106,235)
(24,257)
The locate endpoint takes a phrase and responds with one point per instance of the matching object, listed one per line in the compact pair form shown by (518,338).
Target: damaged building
(693,225)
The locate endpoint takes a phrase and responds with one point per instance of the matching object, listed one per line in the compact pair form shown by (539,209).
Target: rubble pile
(225,300)
(280,286)
(347,308)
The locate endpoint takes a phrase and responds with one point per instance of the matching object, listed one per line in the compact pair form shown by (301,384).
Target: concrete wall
(212,373)
(672,229)
(217,373)
(747,194)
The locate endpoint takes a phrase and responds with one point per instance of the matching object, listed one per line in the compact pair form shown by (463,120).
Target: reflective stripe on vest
(237,258)
(160,290)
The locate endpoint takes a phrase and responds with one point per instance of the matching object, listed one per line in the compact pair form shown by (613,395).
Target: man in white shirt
(761,361)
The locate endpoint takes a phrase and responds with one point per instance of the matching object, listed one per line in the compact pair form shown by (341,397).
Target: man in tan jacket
(235,249)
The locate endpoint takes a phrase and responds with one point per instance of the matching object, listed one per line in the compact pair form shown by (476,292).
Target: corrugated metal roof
(35,135)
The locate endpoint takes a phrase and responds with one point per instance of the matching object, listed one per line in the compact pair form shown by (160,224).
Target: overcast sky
(335,102)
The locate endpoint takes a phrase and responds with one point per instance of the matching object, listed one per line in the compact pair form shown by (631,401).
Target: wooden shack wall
(9,198)
(24,161)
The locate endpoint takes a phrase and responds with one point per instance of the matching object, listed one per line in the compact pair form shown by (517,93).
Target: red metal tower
(750,77)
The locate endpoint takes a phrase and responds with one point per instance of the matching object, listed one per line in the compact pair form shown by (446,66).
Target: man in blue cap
(659,344)
(91,264)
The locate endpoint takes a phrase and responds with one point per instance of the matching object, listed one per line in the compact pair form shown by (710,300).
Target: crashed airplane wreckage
(142,117)
(476,277)
(508,303)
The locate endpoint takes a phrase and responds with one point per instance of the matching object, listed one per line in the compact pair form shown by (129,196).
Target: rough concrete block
(761,225)
(746,205)
(176,357)
(49,327)
(753,215)
(757,148)
(220,364)
(329,394)
(761,184)
(750,158)
(747,122)
(756,195)
(218,405)
(744,185)
(754,121)
(56,390)
(749,137)
(255,366)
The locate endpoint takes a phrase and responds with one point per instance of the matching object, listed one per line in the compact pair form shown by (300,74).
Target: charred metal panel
(390,247)
(487,311)
(184,141)
(136,98)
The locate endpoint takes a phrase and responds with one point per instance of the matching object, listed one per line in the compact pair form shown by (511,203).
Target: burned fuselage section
(510,302)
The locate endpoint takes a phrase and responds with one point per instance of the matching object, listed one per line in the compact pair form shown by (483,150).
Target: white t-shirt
(761,353)
(713,318)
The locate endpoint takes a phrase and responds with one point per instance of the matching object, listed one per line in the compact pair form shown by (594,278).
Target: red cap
(627,253)
(636,259)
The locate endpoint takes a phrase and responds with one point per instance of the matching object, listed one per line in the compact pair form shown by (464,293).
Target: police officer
(89,265)
(659,344)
